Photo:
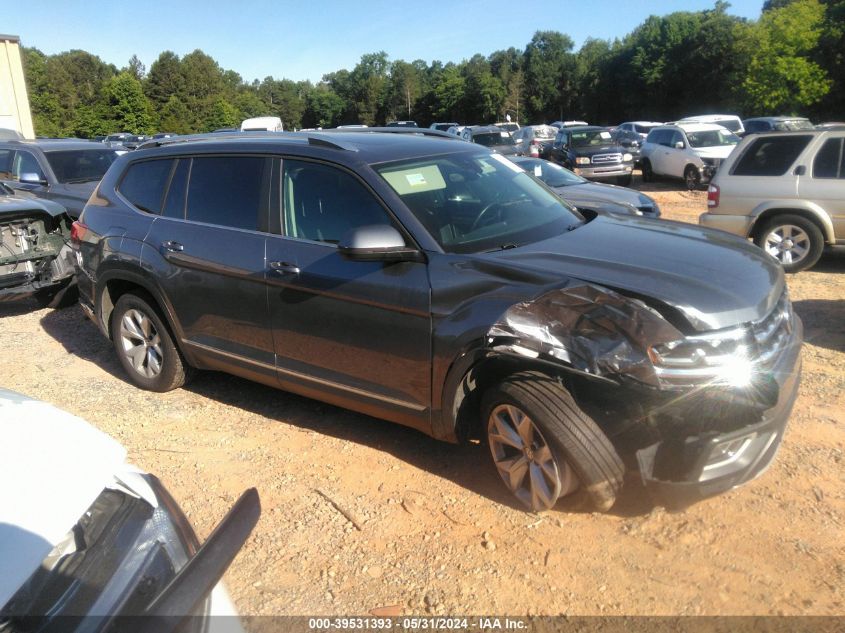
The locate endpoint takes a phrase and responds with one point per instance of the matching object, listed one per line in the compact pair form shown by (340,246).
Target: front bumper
(605,171)
(702,466)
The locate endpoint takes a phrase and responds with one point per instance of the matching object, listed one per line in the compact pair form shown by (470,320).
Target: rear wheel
(648,173)
(145,346)
(545,447)
(692,177)
(796,242)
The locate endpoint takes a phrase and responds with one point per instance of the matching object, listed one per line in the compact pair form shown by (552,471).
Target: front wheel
(648,172)
(144,345)
(692,177)
(545,447)
(624,181)
(796,242)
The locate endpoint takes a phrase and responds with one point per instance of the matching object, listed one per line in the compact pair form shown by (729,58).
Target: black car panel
(251,281)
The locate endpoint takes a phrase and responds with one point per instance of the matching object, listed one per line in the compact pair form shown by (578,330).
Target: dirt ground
(436,533)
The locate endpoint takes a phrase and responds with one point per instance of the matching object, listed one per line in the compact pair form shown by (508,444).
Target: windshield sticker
(415,179)
(538,170)
(507,163)
(605,135)
(486,167)
(504,134)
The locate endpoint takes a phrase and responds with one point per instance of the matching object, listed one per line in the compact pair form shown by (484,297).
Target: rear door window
(829,160)
(771,155)
(229,191)
(145,182)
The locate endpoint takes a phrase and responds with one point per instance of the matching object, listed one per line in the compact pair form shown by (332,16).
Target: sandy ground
(436,532)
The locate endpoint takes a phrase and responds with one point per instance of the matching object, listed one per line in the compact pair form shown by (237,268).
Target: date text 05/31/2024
(418,624)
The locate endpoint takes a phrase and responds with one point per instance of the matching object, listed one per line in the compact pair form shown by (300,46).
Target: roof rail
(419,131)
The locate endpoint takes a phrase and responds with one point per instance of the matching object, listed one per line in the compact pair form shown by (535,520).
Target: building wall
(14,102)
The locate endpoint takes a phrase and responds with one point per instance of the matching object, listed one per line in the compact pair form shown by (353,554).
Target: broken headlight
(721,357)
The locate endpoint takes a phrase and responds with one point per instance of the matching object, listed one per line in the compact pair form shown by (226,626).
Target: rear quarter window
(144,183)
(770,155)
(830,161)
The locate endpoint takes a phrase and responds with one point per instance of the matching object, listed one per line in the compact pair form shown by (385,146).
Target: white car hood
(55,466)
(720,151)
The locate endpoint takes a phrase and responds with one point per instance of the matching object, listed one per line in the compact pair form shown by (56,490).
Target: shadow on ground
(824,322)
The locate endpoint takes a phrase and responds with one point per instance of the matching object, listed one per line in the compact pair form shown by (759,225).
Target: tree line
(791,60)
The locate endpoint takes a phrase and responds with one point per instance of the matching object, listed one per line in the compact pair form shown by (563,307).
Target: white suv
(786,191)
(691,151)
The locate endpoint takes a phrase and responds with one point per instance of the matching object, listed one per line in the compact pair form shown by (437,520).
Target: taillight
(713,196)
(77,232)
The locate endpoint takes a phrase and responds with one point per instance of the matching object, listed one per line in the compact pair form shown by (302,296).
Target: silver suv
(786,191)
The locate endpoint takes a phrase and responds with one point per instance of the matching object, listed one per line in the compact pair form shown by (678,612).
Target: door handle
(284,268)
(172,246)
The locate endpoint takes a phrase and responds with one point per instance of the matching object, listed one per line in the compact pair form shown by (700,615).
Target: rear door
(824,180)
(355,333)
(206,249)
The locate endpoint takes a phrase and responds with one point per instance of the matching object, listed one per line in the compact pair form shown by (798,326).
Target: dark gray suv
(434,283)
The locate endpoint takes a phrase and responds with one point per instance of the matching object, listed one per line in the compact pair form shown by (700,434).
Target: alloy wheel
(525,461)
(141,343)
(789,244)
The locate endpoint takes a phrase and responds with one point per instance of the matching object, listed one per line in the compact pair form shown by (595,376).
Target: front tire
(624,181)
(648,172)
(144,345)
(692,177)
(796,242)
(545,447)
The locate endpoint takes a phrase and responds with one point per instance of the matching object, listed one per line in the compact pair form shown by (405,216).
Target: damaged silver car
(35,256)
(433,283)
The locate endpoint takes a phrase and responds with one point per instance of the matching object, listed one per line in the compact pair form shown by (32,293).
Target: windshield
(471,203)
(586,138)
(80,165)
(798,124)
(492,139)
(550,173)
(547,132)
(712,138)
(644,129)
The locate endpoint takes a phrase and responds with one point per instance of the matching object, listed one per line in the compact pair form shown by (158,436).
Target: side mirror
(801,170)
(679,145)
(31,178)
(376,242)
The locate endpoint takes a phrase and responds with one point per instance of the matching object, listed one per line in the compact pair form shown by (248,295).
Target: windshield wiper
(73,181)
(502,247)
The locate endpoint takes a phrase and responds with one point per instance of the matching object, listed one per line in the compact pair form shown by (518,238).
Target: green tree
(128,107)
(175,117)
(550,73)
(324,107)
(781,75)
(223,114)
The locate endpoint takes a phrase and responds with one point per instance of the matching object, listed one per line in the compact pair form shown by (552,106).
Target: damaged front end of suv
(694,412)
(35,256)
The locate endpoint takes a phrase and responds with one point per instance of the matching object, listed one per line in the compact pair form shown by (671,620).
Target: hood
(715,280)
(607,148)
(15,204)
(592,192)
(720,151)
(61,464)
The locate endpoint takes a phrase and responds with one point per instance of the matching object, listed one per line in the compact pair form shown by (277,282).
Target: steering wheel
(484,212)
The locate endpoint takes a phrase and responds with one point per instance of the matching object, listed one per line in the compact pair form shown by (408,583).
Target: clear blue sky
(308,38)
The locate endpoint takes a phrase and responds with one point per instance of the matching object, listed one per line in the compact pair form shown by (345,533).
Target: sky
(309,38)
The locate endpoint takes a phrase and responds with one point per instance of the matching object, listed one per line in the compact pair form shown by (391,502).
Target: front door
(350,332)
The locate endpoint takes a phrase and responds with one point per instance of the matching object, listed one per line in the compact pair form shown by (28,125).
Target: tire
(580,463)
(59,298)
(805,245)
(157,365)
(648,173)
(624,181)
(692,177)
